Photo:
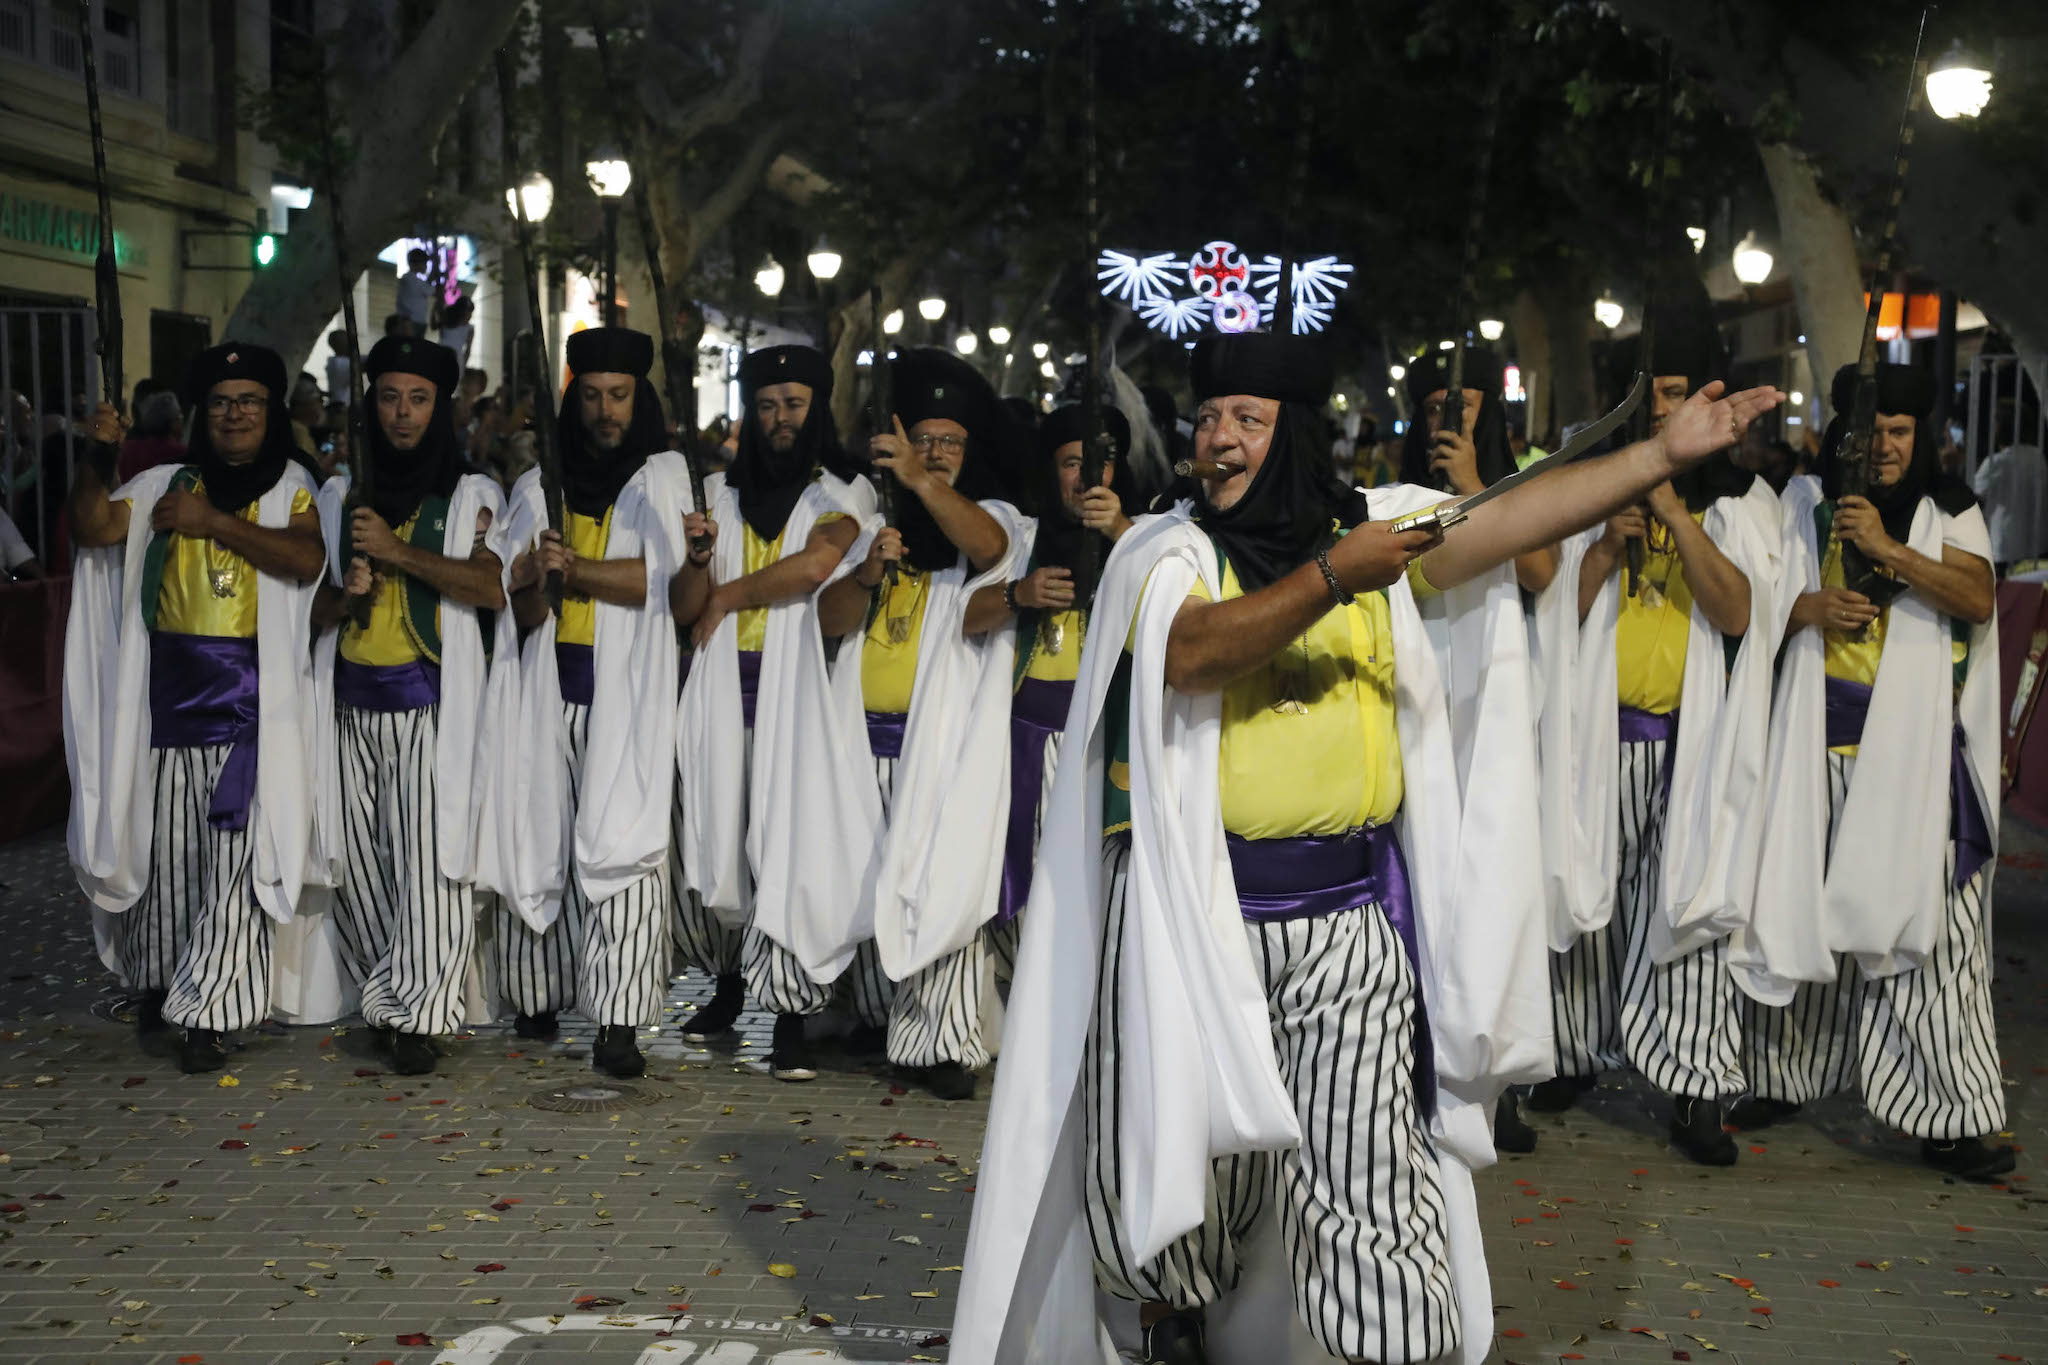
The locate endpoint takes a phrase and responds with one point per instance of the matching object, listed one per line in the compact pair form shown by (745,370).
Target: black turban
(929,383)
(611,350)
(1288,369)
(592,477)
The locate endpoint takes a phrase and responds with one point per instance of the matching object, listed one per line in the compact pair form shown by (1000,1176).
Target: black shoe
(948,1081)
(719,1015)
(1696,1132)
(1760,1111)
(791,1058)
(1968,1158)
(1511,1132)
(1176,1339)
(536,1025)
(865,1040)
(202,1050)
(615,1053)
(411,1054)
(153,1033)
(1559,1093)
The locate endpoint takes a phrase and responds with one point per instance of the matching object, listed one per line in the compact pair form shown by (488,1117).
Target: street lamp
(999,335)
(1752,262)
(966,343)
(610,177)
(823,261)
(768,279)
(1491,328)
(1698,237)
(536,193)
(893,323)
(1958,85)
(1607,312)
(931,309)
(1041,349)
(1397,373)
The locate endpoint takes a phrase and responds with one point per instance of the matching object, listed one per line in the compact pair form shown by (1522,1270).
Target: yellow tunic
(888,664)
(587,536)
(1068,628)
(388,639)
(1651,632)
(757,554)
(188,603)
(1310,744)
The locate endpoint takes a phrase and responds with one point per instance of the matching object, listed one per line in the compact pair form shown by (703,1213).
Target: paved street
(306,1208)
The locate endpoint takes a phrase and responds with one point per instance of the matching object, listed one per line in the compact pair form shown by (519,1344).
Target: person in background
(16,559)
(458,332)
(399,325)
(157,436)
(338,369)
(2013,487)
(415,292)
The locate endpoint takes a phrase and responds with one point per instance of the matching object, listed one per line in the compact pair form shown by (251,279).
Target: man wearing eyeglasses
(191,823)
(937,714)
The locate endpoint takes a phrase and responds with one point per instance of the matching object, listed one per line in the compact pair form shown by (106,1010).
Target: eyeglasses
(248,404)
(925,445)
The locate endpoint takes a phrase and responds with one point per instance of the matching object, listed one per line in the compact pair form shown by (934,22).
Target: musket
(1636,551)
(879,388)
(1451,416)
(547,455)
(360,471)
(677,367)
(106,273)
(1095,444)
(1858,451)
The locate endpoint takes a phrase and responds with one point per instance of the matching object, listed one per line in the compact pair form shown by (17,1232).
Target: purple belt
(1312,875)
(885,733)
(577,666)
(1849,703)
(1647,727)
(750,683)
(387,687)
(202,692)
(1038,711)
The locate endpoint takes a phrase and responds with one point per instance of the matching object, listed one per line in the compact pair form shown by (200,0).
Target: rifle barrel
(106,270)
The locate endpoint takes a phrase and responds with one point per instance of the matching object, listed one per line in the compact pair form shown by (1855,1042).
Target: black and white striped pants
(1922,1045)
(1678,1023)
(407,930)
(609,958)
(198,932)
(1362,1218)
(703,941)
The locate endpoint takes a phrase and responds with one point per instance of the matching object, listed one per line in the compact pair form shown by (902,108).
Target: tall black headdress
(592,477)
(769,483)
(934,383)
(404,477)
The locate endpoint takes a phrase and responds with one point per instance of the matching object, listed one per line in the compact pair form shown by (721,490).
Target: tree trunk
(1532,347)
(391,125)
(1818,247)
(1564,298)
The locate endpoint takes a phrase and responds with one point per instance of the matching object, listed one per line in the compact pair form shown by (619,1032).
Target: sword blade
(1448,514)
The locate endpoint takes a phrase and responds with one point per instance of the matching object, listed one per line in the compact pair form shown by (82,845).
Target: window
(46,32)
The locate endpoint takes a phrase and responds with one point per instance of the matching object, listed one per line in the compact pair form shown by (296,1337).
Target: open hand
(1707,421)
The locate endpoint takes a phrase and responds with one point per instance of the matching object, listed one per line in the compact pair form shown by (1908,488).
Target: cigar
(1202,469)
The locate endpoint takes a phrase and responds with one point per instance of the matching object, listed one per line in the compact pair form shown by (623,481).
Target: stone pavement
(305,1208)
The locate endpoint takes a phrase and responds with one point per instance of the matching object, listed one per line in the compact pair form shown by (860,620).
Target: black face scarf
(769,482)
(924,544)
(402,479)
(1284,517)
(591,476)
(1897,502)
(1495,457)
(231,487)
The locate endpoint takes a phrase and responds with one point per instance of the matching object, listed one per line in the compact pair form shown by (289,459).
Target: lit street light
(893,323)
(1698,236)
(999,335)
(610,177)
(1959,84)
(536,193)
(1491,328)
(931,309)
(823,261)
(1607,312)
(768,279)
(1397,373)
(1752,261)
(1041,349)
(966,343)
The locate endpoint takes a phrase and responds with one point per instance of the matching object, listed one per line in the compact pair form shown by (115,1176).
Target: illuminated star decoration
(1219,288)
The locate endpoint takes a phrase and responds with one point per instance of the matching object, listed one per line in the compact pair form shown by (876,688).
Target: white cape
(107,717)
(619,831)
(1880,890)
(780,804)
(458,736)
(1714,823)
(937,861)
(1197,1071)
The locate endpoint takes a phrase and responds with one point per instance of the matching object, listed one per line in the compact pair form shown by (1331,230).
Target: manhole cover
(596,1096)
(24,1144)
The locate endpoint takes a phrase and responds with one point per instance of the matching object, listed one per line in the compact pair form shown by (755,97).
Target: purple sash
(885,733)
(1038,711)
(577,667)
(1313,875)
(202,692)
(750,683)
(1849,703)
(1647,727)
(387,687)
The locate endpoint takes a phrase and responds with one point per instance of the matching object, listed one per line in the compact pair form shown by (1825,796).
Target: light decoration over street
(1219,288)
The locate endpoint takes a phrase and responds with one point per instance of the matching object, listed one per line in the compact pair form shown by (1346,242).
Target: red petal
(1830,1284)
(490,1267)
(414,1339)
(1761,1312)
(233,1145)
(1513,1332)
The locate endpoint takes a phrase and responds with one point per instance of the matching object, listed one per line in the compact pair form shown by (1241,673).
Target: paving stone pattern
(305,1207)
